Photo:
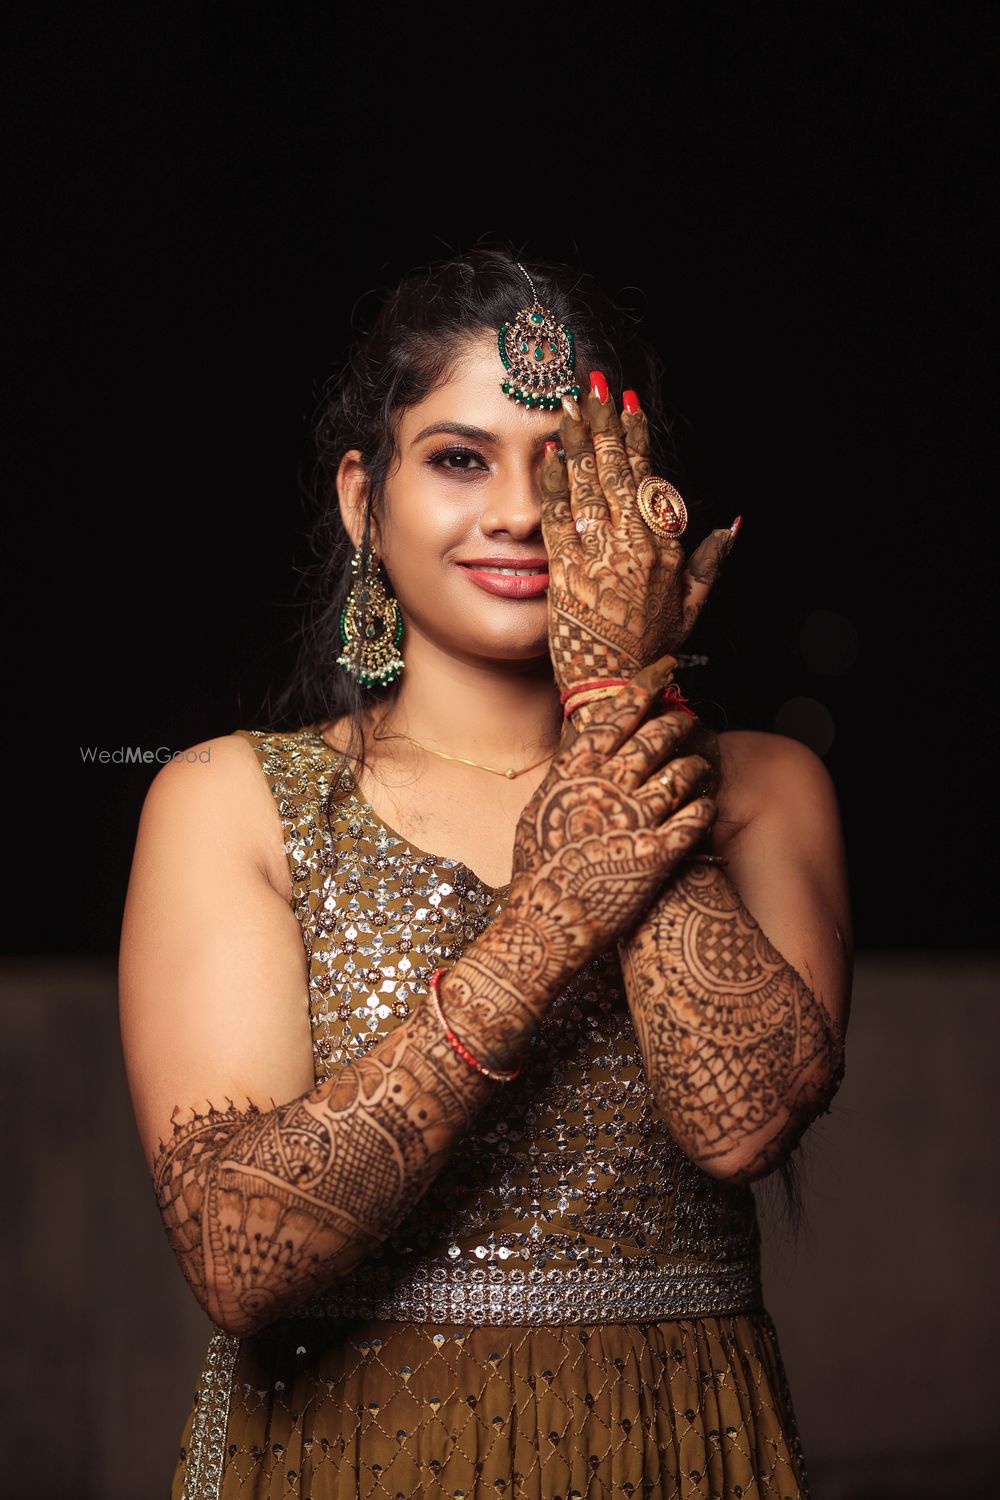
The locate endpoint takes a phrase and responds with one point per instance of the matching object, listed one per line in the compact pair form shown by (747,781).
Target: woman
(455,1150)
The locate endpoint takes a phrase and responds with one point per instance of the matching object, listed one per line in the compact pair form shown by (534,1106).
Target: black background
(202,196)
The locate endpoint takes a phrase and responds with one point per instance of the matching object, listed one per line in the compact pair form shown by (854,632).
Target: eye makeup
(438,460)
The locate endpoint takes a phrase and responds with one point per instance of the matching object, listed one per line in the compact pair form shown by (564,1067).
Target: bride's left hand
(619,595)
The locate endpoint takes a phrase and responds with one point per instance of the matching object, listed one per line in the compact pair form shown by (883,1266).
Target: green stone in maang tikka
(534,381)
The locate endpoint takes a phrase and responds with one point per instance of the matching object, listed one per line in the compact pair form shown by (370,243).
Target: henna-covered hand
(619,596)
(608,823)
(602,832)
(739,1052)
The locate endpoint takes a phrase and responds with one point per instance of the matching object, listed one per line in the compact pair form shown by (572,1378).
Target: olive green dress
(573,1309)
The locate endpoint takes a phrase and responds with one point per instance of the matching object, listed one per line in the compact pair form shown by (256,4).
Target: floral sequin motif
(569,1208)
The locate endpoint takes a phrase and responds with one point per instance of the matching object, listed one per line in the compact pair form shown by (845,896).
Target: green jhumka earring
(371,628)
(537,354)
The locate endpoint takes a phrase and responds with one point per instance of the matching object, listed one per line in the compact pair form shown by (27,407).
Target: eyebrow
(474,434)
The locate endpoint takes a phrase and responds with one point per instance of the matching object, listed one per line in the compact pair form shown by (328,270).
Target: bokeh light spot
(808,720)
(828,642)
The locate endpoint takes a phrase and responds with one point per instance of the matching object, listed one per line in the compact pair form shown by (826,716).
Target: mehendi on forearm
(740,1054)
(266,1208)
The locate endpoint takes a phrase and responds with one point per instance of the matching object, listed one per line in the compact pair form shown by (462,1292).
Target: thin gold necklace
(510,773)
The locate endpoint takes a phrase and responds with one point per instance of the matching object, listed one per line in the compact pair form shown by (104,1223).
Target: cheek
(424,522)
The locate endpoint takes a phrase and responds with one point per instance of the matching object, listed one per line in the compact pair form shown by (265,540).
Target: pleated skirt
(698,1408)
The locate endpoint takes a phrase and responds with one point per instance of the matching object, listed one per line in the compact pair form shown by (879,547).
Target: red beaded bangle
(462,1050)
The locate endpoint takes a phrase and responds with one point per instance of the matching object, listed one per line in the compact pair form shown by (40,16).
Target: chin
(533,648)
(515,651)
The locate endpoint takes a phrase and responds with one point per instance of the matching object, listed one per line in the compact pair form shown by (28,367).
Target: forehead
(470,393)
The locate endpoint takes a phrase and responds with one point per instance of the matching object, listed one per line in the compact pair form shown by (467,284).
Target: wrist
(580,717)
(496,1075)
(587,691)
(583,702)
(492,1010)
(522,954)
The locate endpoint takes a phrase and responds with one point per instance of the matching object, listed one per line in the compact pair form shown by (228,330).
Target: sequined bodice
(569,1200)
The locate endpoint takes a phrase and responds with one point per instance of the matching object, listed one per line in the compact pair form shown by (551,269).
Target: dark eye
(456,460)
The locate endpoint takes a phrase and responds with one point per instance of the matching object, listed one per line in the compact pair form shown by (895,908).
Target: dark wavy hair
(407,349)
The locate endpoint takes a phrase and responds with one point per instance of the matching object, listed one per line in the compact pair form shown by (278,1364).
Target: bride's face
(466,490)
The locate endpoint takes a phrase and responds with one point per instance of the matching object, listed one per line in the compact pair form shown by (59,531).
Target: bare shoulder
(761,770)
(216,789)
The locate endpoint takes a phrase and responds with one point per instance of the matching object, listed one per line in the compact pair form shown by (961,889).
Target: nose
(513,508)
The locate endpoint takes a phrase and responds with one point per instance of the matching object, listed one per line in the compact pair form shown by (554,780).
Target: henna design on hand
(618,596)
(605,828)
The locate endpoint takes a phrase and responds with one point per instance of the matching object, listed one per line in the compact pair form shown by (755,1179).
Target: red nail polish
(598,386)
(735,527)
(630,401)
(551,447)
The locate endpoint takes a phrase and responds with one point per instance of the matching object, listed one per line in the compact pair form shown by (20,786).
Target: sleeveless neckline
(425,854)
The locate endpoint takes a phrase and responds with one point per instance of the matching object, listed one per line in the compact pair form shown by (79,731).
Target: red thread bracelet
(674,698)
(459,1047)
(671,694)
(595,682)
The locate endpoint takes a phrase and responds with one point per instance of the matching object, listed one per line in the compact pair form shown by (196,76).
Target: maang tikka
(538,355)
(371,627)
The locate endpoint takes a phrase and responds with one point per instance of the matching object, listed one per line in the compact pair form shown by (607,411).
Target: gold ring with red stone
(661,506)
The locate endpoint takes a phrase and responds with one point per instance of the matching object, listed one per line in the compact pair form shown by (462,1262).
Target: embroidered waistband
(429,1293)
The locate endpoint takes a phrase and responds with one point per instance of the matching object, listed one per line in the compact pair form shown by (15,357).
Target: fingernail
(598,386)
(550,448)
(630,401)
(571,409)
(734,529)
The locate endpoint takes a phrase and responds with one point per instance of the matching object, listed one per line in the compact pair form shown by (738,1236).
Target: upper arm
(786,859)
(213,977)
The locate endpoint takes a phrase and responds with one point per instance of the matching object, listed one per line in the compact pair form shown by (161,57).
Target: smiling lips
(510,577)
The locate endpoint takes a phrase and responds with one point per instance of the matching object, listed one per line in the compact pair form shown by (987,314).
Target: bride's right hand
(615,814)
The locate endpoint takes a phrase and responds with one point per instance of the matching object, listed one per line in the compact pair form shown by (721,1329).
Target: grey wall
(885,1311)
